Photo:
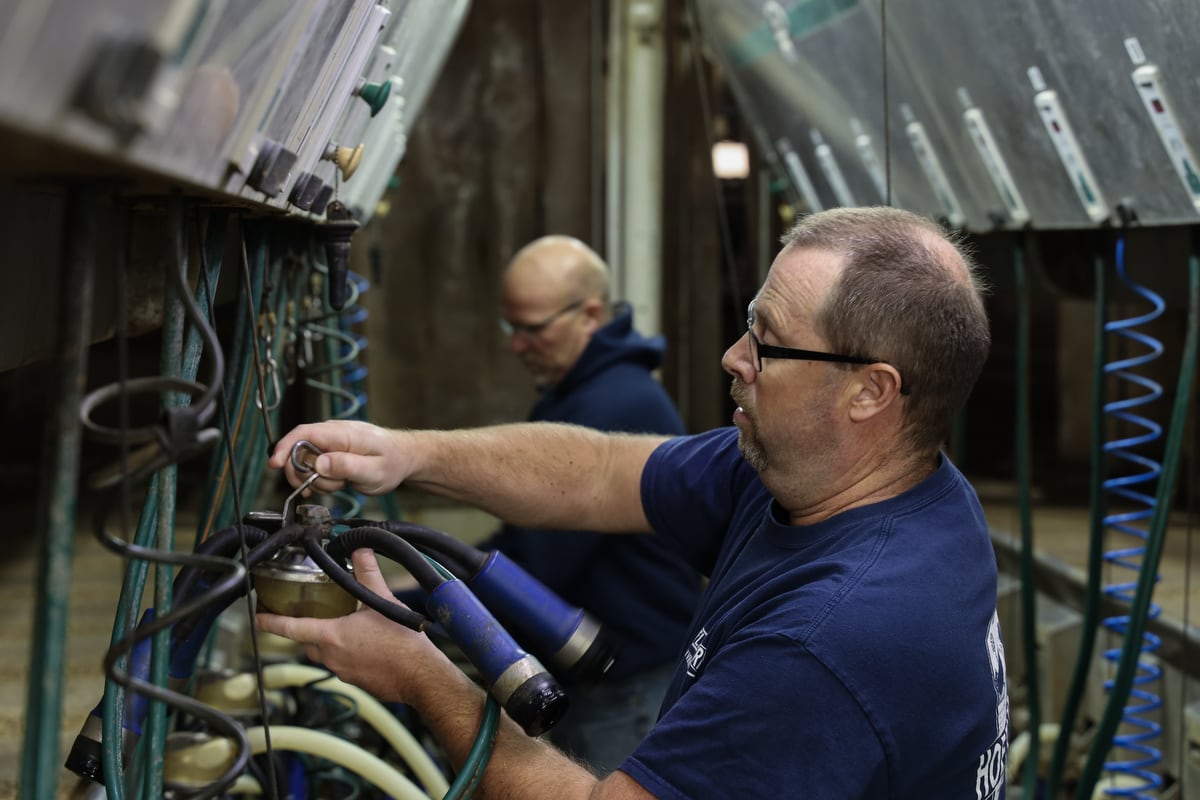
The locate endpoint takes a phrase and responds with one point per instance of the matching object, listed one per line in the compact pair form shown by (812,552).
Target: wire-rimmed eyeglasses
(530,330)
(759,351)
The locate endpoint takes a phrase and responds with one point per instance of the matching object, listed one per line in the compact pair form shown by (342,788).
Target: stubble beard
(542,379)
(748,444)
(752,451)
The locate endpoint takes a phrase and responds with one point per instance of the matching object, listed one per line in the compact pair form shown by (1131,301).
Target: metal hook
(271,387)
(288,510)
(301,467)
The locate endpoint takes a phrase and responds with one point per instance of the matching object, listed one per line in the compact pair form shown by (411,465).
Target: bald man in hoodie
(592,368)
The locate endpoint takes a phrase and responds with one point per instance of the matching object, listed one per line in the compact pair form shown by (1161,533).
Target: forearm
(519,766)
(534,474)
(397,664)
(538,475)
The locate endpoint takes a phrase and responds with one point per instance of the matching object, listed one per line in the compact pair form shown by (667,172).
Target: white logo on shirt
(989,773)
(695,654)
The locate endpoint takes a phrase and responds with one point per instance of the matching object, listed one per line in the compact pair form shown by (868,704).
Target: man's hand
(364,648)
(352,452)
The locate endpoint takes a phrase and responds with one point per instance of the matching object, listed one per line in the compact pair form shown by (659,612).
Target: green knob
(376,95)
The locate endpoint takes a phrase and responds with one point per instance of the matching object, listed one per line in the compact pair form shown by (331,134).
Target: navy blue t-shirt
(640,589)
(859,657)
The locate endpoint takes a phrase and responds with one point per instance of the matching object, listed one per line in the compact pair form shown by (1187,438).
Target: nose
(518,344)
(736,360)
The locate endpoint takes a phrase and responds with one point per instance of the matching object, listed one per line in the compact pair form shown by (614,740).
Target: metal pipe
(614,217)
(57,497)
(640,260)
(170,365)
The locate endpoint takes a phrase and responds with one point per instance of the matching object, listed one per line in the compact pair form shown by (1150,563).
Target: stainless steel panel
(48,47)
(245,65)
(814,69)
(791,96)
(982,64)
(217,86)
(345,65)
(421,39)
(807,65)
(204,77)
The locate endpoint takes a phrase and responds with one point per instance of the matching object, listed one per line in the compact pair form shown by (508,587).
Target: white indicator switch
(1071,155)
(799,175)
(981,136)
(931,165)
(1149,82)
(833,173)
(871,164)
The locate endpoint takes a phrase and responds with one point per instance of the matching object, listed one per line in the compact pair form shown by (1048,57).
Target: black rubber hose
(337,572)
(219,601)
(454,551)
(224,542)
(391,545)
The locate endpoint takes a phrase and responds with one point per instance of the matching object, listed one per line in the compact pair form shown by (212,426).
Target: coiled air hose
(1129,488)
(1140,607)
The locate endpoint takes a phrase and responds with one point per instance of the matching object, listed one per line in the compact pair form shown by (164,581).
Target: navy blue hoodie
(633,584)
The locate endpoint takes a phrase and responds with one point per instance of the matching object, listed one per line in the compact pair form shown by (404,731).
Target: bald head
(561,267)
(554,297)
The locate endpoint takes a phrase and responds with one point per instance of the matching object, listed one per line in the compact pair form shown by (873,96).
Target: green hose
(1028,586)
(130,600)
(170,365)
(181,358)
(1095,560)
(58,495)
(471,774)
(215,509)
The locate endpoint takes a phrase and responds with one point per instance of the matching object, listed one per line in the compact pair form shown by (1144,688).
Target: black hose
(219,601)
(196,609)
(455,552)
(225,542)
(391,545)
(338,573)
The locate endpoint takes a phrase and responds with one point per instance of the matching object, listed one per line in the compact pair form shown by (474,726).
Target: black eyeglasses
(759,351)
(533,329)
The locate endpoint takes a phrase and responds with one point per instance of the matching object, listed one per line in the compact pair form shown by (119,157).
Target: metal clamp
(303,467)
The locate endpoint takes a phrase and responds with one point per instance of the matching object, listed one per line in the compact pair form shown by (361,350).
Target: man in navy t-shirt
(847,645)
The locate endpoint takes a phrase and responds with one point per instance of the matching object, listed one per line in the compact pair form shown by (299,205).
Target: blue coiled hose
(1135,489)
(354,373)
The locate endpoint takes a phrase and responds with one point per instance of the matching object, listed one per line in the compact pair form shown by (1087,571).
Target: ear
(877,389)
(593,313)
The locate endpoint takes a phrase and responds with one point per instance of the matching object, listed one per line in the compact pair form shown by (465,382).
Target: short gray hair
(909,294)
